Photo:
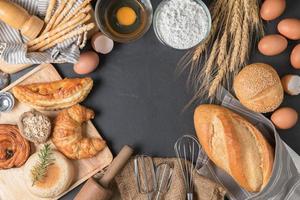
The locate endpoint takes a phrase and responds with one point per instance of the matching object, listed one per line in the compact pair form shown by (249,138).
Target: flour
(182,24)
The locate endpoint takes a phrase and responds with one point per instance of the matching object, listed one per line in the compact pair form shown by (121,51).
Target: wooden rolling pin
(93,190)
(18,18)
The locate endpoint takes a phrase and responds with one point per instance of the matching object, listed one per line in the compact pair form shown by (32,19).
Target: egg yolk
(126,16)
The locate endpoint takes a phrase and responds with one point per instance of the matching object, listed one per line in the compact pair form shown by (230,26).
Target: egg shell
(290,28)
(87,63)
(291,84)
(284,118)
(271,9)
(101,43)
(295,57)
(272,45)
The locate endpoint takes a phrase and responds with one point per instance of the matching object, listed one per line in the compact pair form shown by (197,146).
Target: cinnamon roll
(14,149)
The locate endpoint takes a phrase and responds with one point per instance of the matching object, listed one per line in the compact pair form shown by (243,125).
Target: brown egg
(295,57)
(88,62)
(272,45)
(290,28)
(284,118)
(272,9)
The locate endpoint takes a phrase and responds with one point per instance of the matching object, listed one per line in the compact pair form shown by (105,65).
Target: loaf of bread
(258,87)
(235,146)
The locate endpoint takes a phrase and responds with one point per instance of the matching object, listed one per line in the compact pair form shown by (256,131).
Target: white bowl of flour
(182,24)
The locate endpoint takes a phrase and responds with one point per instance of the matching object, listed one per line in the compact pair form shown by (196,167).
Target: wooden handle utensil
(93,190)
(18,18)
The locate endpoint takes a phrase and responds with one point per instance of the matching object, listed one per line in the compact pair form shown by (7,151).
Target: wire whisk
(189,152)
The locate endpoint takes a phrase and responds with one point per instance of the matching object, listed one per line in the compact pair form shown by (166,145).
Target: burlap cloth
(204,188)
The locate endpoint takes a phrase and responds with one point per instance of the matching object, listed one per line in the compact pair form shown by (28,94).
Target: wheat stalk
(235,23)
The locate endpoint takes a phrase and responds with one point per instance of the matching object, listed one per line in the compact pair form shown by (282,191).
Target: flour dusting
(182,24)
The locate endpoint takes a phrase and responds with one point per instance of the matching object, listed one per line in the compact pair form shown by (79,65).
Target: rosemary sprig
(39,171)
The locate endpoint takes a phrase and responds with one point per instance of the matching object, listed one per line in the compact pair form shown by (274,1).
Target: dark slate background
(139,100)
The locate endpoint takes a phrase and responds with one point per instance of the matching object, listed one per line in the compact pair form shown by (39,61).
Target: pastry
(35,126)
(67,134)
(54,95)
(258,87)
(57,179)
(235,146)
(14,149)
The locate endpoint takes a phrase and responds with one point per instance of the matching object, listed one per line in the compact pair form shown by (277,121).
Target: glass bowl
(102,13)
(158,32)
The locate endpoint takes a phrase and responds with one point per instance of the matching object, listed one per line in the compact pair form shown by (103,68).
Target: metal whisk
(188,151)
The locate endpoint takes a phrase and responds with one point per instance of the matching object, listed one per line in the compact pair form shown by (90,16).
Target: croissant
(14,149)
(54,95)
(67,133)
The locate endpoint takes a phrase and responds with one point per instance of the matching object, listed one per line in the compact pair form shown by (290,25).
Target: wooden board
(12,186)
(11,68)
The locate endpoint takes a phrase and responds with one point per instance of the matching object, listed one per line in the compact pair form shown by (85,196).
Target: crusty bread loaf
(258,87)
(234,145)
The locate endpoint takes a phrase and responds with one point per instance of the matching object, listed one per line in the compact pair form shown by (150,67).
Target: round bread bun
(258,87)
(57,180)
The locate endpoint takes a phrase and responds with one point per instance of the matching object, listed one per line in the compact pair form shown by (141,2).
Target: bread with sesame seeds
(258,87)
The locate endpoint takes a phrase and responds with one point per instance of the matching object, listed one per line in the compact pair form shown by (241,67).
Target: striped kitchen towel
(13,48)
(284,183)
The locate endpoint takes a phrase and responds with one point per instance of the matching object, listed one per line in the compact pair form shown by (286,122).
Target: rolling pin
(98,190)
(18,18)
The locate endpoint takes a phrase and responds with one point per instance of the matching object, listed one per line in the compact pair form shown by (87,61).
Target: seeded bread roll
(258,87)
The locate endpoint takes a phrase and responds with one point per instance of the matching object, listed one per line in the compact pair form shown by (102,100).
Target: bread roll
(235,146)
(258,87)
(59,176)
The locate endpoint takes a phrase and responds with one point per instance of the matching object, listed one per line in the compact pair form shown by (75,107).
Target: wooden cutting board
(12,186)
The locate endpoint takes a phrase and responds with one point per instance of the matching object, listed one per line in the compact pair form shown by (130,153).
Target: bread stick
(76,11)
(49,10)
(66,10)
(55,15)
(76,21)
(58,34)
(69,35)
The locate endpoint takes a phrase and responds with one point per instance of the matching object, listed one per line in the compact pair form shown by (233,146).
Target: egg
(272,45)
(295,57)
(284,118)
(101,43)
(290,28)
(88,62)
(271,9)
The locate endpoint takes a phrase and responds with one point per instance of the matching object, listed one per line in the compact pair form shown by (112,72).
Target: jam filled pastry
(67,134)
(14,149)
(54,95)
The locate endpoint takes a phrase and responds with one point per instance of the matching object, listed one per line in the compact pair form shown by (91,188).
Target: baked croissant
(54,95)
(14,149)
(67,134)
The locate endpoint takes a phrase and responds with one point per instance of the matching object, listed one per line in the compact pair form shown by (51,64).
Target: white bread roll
(235,146)
(258,87)
(58,178)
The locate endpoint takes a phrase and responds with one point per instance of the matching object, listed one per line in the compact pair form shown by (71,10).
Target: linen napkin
(13,48)
(284,183)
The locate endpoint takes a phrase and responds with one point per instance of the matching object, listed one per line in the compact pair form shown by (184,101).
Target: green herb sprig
(39,171)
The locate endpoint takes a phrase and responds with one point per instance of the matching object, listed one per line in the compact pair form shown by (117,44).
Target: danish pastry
(14,149)
(67,134)
(54,95)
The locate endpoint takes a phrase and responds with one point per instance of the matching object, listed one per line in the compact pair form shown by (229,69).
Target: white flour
(182,24)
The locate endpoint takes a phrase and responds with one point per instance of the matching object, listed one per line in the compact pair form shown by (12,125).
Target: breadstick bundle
(67,21)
